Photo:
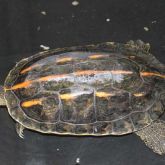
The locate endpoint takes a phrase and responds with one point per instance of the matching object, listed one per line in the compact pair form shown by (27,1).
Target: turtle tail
(2,99)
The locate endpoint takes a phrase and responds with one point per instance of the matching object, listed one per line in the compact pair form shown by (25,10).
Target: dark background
(23,29)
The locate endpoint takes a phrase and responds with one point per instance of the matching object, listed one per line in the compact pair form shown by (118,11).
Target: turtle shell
(101,89)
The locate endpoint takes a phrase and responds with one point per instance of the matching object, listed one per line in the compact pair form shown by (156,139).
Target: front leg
(154,136)
(19,130)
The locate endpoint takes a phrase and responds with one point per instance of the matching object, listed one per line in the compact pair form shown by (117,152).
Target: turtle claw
(144,46)
(138,44)
(19,130)
(21,135)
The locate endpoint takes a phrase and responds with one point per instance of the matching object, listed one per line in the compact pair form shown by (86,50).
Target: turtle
(100,89)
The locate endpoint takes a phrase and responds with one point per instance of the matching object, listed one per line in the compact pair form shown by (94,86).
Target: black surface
(66,25)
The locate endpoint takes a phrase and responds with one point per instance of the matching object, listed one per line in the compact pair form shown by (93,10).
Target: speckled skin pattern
(104,89)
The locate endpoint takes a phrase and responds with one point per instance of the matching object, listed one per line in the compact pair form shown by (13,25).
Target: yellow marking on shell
(148,74)
(125,72)
(64,59)
(67,96)
(29,68)
(30,103)
(139,94)
(97,56)
(104,94)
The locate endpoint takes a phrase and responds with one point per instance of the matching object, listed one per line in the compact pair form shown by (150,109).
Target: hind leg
(154,136)
(19,130)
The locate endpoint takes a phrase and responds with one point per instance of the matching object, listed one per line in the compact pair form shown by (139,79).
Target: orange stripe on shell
(78,73)
(148,74)
(64,59)
(67,96)
(104,94)
(125,72)
(139,94)
(26,84)
(47,78)
(29,68)
(90,72)
(30,103)
(97,56)
(20,85)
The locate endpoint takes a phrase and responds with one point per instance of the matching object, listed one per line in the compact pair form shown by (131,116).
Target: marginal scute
(27,122)
(13,101)
(122,126)
(65,128)
(44,127)
(103,128)
(84,129)
(140,119)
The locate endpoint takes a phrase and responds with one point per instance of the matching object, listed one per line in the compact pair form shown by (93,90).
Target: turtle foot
(19,130)
(154,136)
